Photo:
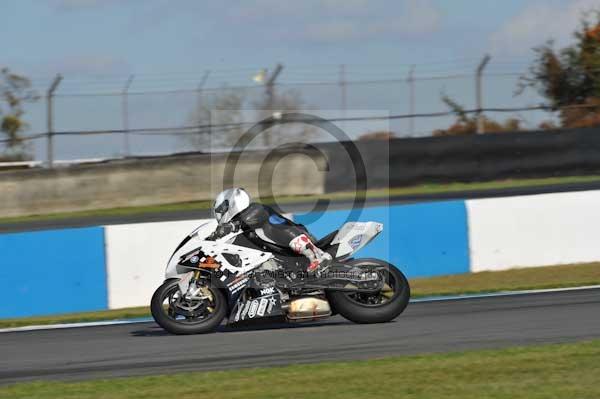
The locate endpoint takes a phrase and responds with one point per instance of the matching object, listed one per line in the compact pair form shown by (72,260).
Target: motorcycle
(242,277)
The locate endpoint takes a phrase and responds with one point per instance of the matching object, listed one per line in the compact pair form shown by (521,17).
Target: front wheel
(179,315)
(379,307)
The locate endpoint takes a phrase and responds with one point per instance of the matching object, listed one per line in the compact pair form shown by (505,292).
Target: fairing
(355,235)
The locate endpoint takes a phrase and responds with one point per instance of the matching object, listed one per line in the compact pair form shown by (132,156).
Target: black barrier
(401,162)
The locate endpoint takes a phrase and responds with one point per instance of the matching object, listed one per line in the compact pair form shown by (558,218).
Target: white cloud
(540,22)
(91,65)
(265,9)
(331,31)
(82,5)
(419,17)
(414,18)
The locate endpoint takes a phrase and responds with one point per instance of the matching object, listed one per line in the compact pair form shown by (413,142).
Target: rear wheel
(179,315)
(379,307)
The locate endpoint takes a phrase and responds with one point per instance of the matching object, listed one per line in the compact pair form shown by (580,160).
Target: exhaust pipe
(308,309)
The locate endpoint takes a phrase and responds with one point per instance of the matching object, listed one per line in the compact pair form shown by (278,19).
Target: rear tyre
(374,308)
(181,317)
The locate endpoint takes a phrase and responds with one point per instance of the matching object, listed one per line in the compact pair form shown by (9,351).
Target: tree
(221,118)
(569,78)
(466,124)
(285,101)
(377,135)
(229,113)
(14,91)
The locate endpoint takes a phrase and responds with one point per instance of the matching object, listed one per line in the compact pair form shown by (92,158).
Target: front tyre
(178,315)
(374,308)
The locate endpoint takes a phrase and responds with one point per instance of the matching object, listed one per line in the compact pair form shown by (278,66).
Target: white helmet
(229,203)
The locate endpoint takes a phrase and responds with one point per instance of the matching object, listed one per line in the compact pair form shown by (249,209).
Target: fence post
(343,94)
(270,91)
(199,99)
(478,93)
(125,114)
(50,120)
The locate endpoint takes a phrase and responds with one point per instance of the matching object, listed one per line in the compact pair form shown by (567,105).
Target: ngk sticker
(267,291)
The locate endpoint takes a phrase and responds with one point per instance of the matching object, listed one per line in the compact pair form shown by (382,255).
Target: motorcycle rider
(233,210)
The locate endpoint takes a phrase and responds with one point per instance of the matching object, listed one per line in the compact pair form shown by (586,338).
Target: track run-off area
(425,327)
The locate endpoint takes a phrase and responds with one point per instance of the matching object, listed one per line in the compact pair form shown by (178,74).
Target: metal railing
(139,106)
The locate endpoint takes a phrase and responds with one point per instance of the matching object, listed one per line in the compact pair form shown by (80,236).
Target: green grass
(509,280)
(432,188)
(102,315)
(535,372)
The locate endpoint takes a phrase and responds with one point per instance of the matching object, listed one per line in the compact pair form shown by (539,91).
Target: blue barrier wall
(422,239)
(50,272)
(62,271)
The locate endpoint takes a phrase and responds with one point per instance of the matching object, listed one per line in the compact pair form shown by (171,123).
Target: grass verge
(430,188)
(508,280)
(547,371)
(562,276)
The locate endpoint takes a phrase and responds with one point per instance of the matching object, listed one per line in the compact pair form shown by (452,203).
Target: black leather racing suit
(271,226)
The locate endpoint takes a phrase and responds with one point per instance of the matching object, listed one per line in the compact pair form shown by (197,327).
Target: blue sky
(97,44)
(121,37)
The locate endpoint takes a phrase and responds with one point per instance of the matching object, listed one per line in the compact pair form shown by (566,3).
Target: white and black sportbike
(234,278)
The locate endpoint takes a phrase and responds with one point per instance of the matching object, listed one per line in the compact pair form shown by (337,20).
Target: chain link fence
(121,116)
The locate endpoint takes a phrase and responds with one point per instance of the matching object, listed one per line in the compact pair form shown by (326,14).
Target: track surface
(138,349)
(296,207)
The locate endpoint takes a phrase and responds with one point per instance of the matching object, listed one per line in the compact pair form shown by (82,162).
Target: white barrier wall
(136,257)
(535,230)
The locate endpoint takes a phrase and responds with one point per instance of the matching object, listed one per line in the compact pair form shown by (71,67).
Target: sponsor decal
(262,307)
(253,309)
(276,219)
(355,241)
(267,291)
(245,311)
(236,286)
(271,305)
(239,312)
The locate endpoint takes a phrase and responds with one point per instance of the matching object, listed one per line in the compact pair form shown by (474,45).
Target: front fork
(188,290)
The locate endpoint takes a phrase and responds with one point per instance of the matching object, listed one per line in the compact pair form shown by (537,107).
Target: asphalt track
(299,206)
(439,326)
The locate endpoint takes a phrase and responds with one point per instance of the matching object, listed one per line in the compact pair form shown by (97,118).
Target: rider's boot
(319,260)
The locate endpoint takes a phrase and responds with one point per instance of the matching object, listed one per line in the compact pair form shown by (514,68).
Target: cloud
(540,22)
(76,5)
(331,31)
(91,65)
(267,9)
(414,18)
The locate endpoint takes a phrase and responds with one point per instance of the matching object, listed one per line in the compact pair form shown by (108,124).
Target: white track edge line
(502,293)
(417,300)
(74,325)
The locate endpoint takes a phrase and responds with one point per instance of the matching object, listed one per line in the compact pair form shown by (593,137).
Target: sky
(168,45)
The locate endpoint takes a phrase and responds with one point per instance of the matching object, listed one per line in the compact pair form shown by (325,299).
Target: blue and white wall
(119,266)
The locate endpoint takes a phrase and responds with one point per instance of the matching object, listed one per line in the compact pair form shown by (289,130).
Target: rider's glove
(222,230)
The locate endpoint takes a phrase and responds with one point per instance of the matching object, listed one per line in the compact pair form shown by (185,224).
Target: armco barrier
(49,272)
(65,271)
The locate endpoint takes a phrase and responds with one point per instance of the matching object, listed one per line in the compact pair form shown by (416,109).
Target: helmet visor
(221,209)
